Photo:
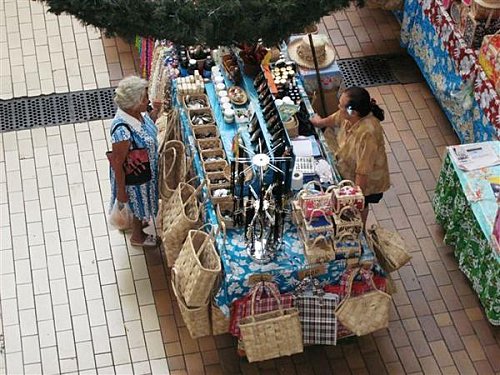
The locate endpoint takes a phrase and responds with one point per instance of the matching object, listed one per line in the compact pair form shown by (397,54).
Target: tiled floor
(76,297)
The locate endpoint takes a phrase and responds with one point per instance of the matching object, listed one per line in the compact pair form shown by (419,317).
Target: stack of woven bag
(194,279)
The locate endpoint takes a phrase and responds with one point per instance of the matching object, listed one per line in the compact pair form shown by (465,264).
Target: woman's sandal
(150,241)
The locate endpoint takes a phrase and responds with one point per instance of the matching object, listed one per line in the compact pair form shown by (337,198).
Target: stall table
(465,206)
(237,265)
(451,70)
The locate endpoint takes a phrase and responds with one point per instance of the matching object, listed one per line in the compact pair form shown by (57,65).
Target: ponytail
(376,110)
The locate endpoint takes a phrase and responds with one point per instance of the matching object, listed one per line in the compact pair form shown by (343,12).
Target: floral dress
(142,199)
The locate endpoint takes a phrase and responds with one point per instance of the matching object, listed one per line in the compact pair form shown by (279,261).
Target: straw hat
(491,4)
(300,51)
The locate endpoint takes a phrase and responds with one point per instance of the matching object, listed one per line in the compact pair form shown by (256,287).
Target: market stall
(466,205)
(450,66)
(262,234)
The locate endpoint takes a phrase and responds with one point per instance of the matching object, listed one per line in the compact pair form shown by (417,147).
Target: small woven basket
(224,211)
(214,154)
(209,143)
(272,334)
(197,267)
(197,319)
(348,219)
(202,99)
(214,166)
(206,131)
(218,180)
(207,113)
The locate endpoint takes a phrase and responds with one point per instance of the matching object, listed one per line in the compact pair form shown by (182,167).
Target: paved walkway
(77,298)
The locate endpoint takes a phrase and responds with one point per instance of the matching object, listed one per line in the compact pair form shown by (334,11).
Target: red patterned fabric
(358,287)
(264,302)
(465,59)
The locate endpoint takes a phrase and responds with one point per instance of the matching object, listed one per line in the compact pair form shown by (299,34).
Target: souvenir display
(236,133)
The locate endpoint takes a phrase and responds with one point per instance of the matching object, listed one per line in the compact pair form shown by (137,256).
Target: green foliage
(192,21)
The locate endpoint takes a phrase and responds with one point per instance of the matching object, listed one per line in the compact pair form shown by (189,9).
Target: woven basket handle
(346,183)
(353,274)
(347,209)
(314,183)
(327,218)
(273,293)
(210,236)
(196,190)
(343,235)
(173,163)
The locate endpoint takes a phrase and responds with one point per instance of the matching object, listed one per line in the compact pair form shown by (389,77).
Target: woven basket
(319,224)
(224,211)
(197,266)
(197,319)
(199,112)
(319,250)
(218,180)
(272,334)
(348,219)
(365,313)
(215,166)
(180,215)
(389,248)
(208,143)
(319,200)
(216,154)
(206,131)
(292,127)
(347,193)
(198,97)
(220,323)
(481,12)
(172,168)
(347,245)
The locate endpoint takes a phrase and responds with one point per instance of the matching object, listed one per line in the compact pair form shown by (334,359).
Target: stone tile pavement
(77,298)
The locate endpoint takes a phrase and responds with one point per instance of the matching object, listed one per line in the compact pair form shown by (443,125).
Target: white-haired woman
(133,125)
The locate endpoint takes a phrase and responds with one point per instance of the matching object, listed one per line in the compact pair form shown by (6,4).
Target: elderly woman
(359,146)
(133,127)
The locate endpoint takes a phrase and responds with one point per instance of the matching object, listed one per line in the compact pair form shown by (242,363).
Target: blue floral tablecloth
(452,71)
(237,265)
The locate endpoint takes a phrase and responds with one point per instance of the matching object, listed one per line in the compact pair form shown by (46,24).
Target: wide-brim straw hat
(491,4)
(299,50)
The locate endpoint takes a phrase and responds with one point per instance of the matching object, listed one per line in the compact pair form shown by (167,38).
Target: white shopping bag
(121,216)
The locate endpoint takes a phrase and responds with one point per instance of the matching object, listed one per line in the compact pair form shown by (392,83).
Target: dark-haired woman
(359,144)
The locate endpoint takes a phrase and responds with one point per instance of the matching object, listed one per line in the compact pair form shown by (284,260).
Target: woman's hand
(316,120)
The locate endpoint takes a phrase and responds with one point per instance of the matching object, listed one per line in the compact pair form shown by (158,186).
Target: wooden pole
(318,77)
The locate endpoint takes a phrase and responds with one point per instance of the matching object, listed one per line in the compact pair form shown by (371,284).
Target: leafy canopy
(215,22)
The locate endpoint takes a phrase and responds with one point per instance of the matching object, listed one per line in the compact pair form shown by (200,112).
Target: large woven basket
(172,168)
(197,266)
(365,313)
(180,215)
(197,319)
(272,334)
(220,322)
(389,248)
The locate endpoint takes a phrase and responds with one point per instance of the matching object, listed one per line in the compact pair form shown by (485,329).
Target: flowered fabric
(451,70)
(143,199)
(460,200)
